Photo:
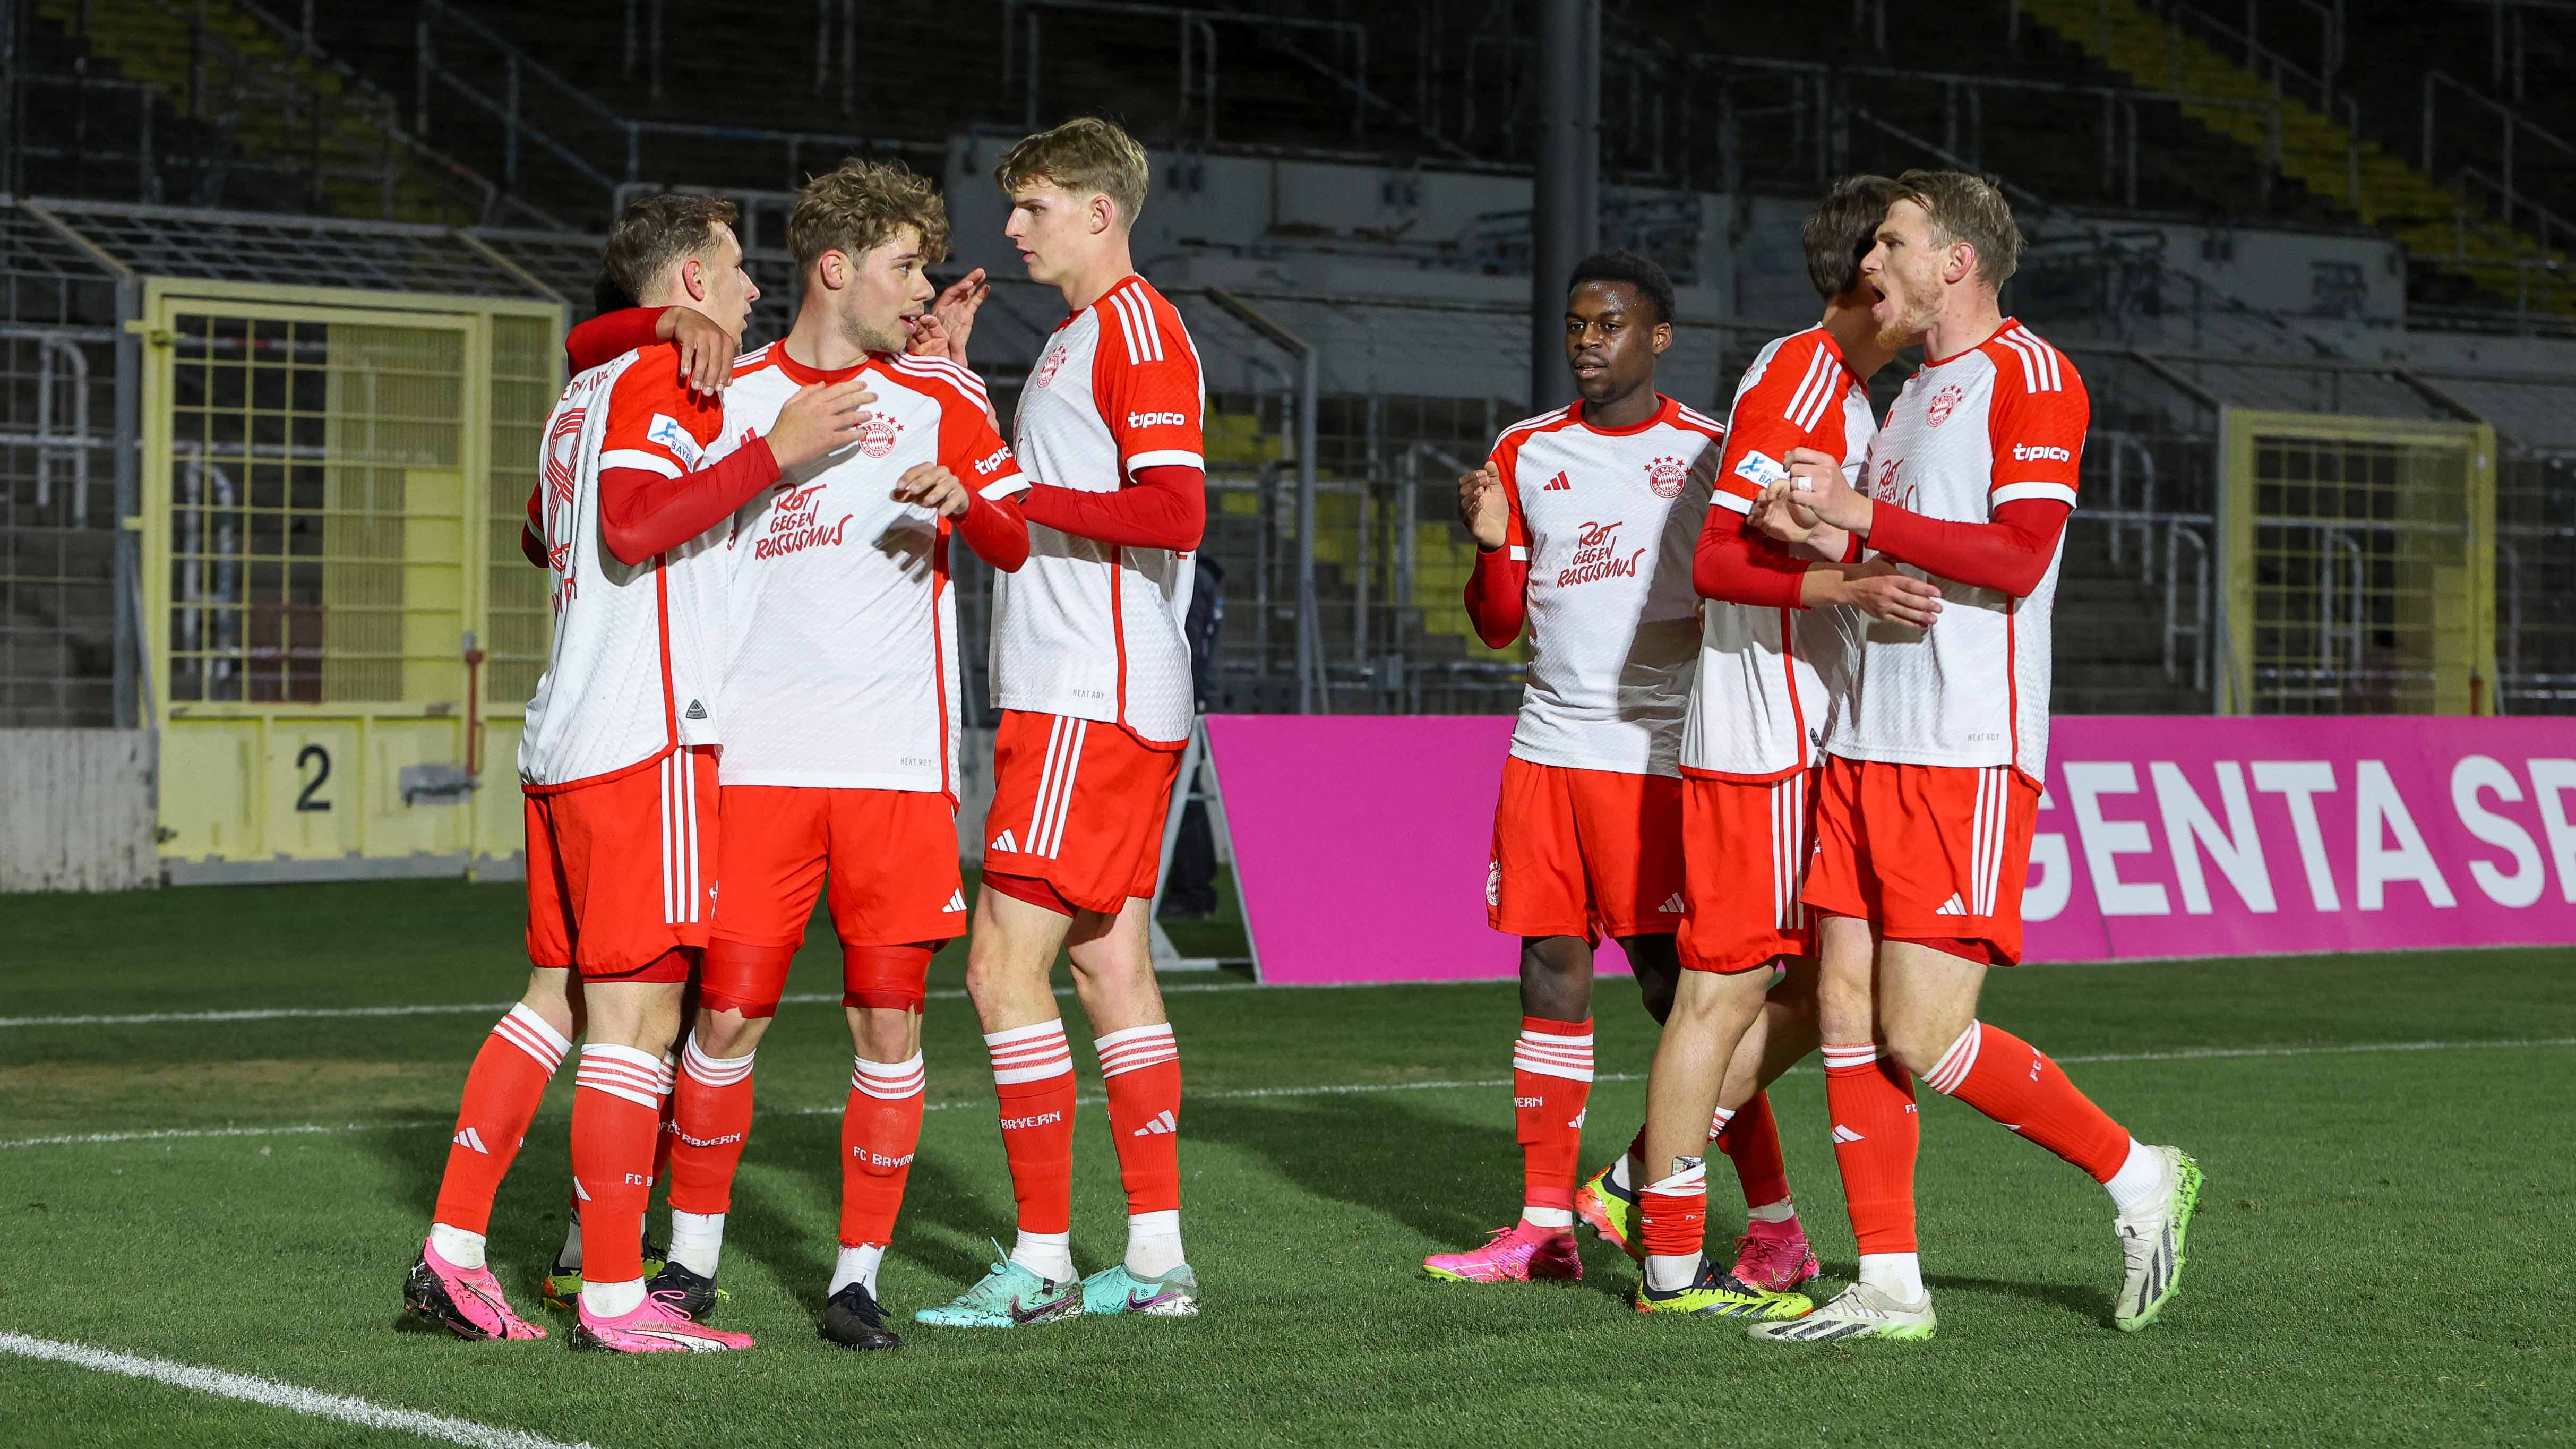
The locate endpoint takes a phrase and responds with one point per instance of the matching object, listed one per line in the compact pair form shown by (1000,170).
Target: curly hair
(1638,270)
(859,206)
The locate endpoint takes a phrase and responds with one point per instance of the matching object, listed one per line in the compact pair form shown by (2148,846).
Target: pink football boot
(465,1301)
(655,1325)
(1774,1257)
(1517,1254)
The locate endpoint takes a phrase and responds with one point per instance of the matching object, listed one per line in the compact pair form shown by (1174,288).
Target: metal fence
(1336,426)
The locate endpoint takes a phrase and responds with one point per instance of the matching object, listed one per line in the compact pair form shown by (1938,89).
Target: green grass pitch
(2383,1254)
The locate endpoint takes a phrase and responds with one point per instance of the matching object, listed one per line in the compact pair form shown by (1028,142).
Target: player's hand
(935,488)
(953,314)
(707,350)
(930,338)
(1877,588)
(1483,507)
(1773,517)
(1815,485)
(818,420)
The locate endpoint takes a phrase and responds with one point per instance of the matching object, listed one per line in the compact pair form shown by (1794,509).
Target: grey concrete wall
(76,810)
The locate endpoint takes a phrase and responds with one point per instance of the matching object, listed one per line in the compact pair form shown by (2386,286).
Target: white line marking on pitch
(290,1397)
(326,1129)
(464,1008)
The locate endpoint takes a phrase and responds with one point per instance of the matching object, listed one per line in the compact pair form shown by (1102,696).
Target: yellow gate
(342,629)
(2357,564)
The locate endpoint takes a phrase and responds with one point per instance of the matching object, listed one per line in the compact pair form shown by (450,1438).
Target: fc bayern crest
(877,435)
(1047,368)
(1942,402)
(1665,475)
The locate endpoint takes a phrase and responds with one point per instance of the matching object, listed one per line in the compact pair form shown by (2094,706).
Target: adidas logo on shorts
(956,902)
(1673,904)
(1953,906)
(1004,842)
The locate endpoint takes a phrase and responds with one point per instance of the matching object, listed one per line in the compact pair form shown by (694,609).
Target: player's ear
(693,278)
(1661,337)
(1961,261)
(1104,214)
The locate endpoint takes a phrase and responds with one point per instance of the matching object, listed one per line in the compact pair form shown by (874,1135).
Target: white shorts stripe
(1063,805)
(1033,841)
(689,813)
(666,823)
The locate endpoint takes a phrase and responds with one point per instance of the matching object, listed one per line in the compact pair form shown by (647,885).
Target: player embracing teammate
(1935,753)
(618,764)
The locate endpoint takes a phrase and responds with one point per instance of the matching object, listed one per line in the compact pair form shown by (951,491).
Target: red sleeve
(2011,553)
(532,539)
(1734,566)
(642,512)
(656,488)
(1794,401)
(2034,424)
(968,447)
(1145,376)
(611,335)
(1498,589)
(1165,507)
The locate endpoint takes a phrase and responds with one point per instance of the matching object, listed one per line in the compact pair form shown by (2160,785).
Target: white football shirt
(1606,521)
(843,671)
(1092,630)
(636,659)
(2001,421)
(1759,707)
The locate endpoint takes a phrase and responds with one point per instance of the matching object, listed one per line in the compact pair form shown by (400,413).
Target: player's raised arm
(706,349)
(656,491)
(1498,589)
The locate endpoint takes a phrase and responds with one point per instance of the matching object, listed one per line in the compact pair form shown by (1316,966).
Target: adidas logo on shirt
(1558,484)
(697,710)
(1673,904)
(956,902)
(471,1138)
(1164,1122)
(1004,842)
(1953,906)
(1845,1134)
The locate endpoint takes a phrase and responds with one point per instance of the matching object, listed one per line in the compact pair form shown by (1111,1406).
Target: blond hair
(1971,209)
(860,206)
(659,230)
(1082,155)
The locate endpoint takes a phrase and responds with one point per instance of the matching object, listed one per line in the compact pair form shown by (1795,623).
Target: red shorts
(1931,853)
(1747,847)
(892,859)
(623,872)
(1078,804)
(1585,853)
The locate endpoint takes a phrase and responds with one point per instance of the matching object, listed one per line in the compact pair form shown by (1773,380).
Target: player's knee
(725,1030)
(1914,1049)
(884,1034)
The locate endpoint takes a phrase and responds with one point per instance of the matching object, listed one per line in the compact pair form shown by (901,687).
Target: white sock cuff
(888,1081)
(1693,1178)
(713,1071)
(670,1074)
(1717,1121)
(1569,1057)
(1030,1053)
(525,1029)
(1859,1054)
(621,1072)
(1955,1064)
(1136,1046)
(1166,1221)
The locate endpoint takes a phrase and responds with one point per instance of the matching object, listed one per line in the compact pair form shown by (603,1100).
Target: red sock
(710,1123)
(2015,1083)
(616,1105)
(1672,1215)
(502,1090)
(1876,1135)
(1033,1076)
(880,1130)
(1551,1082)
(1141,1067)
(1752,1142)
(664,1139)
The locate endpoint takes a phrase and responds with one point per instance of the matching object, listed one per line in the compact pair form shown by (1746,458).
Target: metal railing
(2517,145)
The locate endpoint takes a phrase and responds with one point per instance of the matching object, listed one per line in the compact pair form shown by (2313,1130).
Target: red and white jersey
(2001,421)
(843,668)
(1606,521)
(637,653)
(1758,708)
(1092,630)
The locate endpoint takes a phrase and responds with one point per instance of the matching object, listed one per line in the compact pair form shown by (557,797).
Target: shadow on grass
(2088,1303)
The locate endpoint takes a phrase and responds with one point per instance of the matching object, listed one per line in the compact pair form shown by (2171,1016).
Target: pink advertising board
(1361,842)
